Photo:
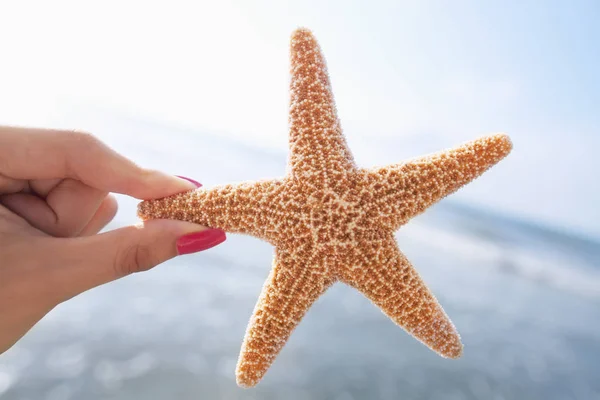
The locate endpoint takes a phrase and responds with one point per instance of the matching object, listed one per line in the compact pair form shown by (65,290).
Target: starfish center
(332,218)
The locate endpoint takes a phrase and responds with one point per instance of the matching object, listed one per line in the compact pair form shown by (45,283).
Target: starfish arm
(241,208)
(286,296)
(404,190)
(318,149)
(387,278)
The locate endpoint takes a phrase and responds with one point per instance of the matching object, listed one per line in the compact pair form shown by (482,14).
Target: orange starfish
(332,221)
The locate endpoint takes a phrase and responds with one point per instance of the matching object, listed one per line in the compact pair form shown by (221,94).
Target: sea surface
(525,298)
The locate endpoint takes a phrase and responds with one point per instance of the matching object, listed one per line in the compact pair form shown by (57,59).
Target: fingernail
(199,241)
(198,184)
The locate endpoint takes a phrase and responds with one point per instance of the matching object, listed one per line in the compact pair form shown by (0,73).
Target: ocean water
(525,298)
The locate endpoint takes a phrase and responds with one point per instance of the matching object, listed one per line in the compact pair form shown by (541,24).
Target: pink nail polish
(199,241)
(198,184)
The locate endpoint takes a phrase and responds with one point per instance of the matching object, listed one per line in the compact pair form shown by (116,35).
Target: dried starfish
(332,221)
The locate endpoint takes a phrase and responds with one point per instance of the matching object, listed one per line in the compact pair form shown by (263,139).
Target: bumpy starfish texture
(332,221)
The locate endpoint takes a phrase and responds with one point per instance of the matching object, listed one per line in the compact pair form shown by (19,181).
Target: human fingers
(66,210)
(27,154)
(105,213)
(86,262)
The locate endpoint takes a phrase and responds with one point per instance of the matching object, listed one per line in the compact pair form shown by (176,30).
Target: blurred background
(200,89)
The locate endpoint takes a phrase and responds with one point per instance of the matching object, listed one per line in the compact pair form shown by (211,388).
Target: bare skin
(54,199)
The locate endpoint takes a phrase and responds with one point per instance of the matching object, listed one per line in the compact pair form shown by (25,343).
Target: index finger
(27,153)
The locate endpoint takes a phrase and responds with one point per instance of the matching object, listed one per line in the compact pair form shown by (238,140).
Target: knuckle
(79,147)
(83,137)
(132,259)
(111,207)
(80,141)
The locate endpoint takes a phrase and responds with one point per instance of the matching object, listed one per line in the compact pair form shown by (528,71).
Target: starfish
(331,221)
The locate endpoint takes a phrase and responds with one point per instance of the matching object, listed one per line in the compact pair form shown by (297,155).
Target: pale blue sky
(439,72)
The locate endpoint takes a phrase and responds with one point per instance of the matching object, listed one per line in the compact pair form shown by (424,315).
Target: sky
(441,71)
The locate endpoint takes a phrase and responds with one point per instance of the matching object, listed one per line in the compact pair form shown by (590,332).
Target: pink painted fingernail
(199,241)
(198,184)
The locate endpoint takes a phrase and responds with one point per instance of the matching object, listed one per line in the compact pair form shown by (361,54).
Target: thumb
(94,260)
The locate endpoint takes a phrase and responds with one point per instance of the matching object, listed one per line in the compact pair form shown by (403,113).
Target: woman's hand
(54,199)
